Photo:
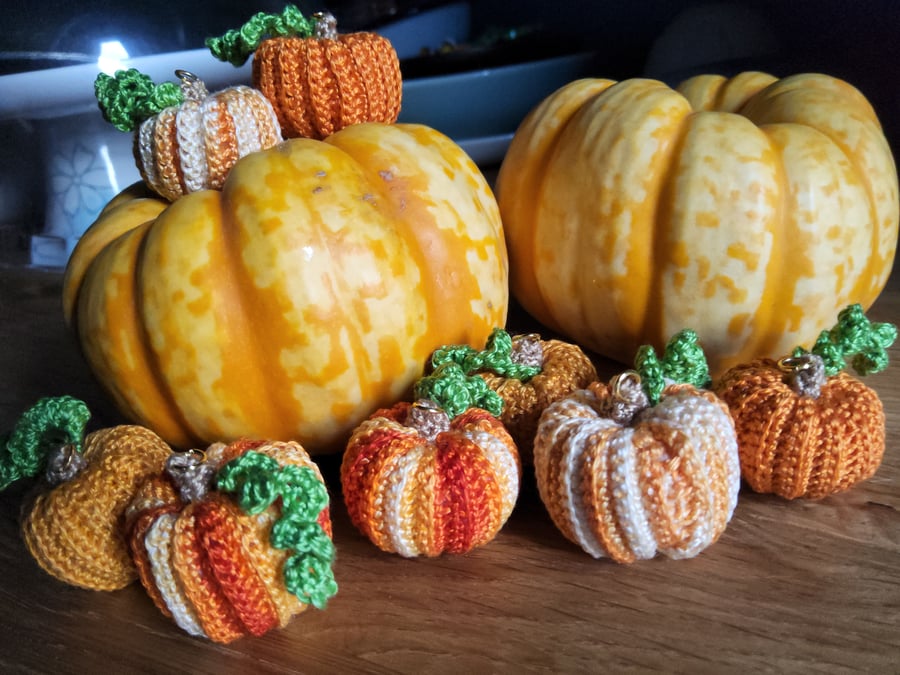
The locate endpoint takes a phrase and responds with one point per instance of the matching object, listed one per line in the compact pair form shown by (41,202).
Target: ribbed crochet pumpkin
(234,541)
(638,467)
(440,475)
(805,428)
(71,523)
(527,372)
(186,139)
(317,80)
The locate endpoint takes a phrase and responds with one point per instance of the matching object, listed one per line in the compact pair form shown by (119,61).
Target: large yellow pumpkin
(306,294)
(751,209)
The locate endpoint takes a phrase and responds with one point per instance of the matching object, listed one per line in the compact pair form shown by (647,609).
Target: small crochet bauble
(186,139)
(236,540)
(71,522)
(805,427)
(643,466)
(440,475)
(528,373)
(318,81)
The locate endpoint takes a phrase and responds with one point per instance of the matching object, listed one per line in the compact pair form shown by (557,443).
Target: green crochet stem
(856,338)
(130,97)
(496,358)
(683,361)
(47,424)
(258,481)
(456,391)
(236,45)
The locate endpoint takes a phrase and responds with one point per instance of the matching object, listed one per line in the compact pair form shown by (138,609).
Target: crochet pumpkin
(71,523)
(185,138)
(805,427)
(440,475)
(527,372)
(234,541)
(317,80)
(640,467)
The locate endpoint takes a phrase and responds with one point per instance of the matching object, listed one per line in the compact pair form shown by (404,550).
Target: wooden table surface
(789,587)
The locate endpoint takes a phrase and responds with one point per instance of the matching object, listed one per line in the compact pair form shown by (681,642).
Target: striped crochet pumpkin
(630,470)
(194,140)
(419,484)
(71,523)
(235,542)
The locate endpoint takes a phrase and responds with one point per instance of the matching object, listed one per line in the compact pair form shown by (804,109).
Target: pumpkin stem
(258,481)
(806,373)
(192,87)
(236,45)
(130,97)
(451,388)
(428,418)
(520,357)
(49,425)
(856,338)
(626,398)
(683,362)
(191,473)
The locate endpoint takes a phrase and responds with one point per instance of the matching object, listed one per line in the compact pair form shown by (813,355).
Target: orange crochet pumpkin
(804,427)
(638,467)
(317,80)
(527,372)
(71,522)
(234,541)
(194,138)
(440,475)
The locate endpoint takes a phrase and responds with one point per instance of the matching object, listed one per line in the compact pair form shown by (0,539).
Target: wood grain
(790,586)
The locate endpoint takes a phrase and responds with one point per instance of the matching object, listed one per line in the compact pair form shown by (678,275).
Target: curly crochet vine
(683,361)
(258,481)
(456,391)
(236,45)
(130,97)
(47,424)
(496,357)
(855,337)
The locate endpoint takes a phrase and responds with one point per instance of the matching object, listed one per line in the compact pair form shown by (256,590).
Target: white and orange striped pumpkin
(751,209)
(193,146)
(660,479)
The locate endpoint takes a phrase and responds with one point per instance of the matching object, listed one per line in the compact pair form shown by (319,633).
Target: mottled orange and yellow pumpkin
(306,294)
(751,209)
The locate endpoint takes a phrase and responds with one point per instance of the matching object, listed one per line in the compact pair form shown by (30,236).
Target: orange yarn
(73,529)
(207,564)
(415,496)
(564,368)
(320,85)
(799,446)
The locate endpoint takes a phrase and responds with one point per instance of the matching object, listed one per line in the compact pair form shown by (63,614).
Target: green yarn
(48,423)
(856,338)
(236,45)
(258,480)
(496,358)
(455,391)
(683,361)
(130,97)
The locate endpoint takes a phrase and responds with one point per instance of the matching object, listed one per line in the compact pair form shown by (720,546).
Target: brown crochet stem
(326,26)
(192,475)
(428,418)
(64,462)
(626,398)
(192,87)
(527,350)
(805,373)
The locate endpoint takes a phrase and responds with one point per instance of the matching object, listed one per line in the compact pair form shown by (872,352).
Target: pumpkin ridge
(323,89)
(371,77)
(215,613)
(349,99)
